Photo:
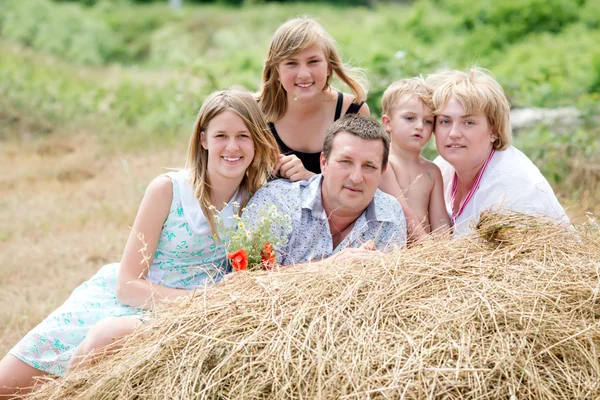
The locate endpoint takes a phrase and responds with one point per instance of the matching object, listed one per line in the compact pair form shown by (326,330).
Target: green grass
(529,44)
(130,106)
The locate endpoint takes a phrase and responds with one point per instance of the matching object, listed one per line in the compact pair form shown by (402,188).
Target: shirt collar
(311,196)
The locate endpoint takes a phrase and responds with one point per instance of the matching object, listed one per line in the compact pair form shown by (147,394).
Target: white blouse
(510,181)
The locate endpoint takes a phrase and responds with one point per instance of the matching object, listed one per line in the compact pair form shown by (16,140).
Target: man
(340,211)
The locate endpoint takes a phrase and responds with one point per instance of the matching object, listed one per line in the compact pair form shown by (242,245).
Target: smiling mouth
(231,159)
(304,85)
(455,146)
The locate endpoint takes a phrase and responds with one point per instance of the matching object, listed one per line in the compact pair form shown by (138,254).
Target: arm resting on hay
(349,255)
(132,287)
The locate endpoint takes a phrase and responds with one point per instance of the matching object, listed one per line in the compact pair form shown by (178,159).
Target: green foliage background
(136,72)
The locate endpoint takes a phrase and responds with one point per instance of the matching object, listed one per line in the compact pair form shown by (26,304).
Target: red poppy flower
(239,260)
(267,256)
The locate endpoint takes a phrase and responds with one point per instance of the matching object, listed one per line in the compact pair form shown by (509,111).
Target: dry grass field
(66,205)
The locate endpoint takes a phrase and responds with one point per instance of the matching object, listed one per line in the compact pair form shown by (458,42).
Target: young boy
(413,180)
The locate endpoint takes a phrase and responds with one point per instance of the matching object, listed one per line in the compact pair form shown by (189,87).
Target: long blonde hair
(266,151)
(290,39)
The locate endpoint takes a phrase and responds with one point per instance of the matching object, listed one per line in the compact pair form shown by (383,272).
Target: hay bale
(511,312)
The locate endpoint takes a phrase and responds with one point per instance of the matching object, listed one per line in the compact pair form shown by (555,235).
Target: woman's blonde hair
(476,90)
(290,39)
(266,152)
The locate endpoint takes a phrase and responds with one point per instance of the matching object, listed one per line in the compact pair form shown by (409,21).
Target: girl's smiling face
(230,147)
(304,74)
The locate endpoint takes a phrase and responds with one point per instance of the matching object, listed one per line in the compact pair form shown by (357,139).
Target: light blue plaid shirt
(310,237)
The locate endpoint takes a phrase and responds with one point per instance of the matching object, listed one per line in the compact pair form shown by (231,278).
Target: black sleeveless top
(312,161)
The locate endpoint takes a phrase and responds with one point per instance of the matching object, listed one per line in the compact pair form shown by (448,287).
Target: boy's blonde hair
(290,39)
(266,152)
(476,90)
(409,86)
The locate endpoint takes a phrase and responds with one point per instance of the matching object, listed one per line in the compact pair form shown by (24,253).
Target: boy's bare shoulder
(430,168)
(428,164)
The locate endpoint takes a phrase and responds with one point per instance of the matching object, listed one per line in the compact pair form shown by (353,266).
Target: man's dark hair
(363,127)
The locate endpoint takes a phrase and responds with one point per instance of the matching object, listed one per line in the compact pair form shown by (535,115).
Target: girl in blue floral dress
(172,248)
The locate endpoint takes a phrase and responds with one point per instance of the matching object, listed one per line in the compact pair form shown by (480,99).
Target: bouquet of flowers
(251,248)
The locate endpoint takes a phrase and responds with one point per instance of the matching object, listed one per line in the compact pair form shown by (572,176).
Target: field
(96,101)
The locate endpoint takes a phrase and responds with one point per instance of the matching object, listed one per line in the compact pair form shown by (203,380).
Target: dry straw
(512,312)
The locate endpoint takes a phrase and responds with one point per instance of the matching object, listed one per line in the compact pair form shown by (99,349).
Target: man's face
(351,175)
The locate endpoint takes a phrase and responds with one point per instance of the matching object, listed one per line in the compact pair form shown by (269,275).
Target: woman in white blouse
(480,168)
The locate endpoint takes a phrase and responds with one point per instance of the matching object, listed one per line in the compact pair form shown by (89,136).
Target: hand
(291,167)
(230,277)
(365,252)
(369,245)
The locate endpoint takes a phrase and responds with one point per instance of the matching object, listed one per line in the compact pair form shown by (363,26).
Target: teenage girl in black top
(297,98)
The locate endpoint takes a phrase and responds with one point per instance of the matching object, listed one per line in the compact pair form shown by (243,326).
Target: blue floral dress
(186,257)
